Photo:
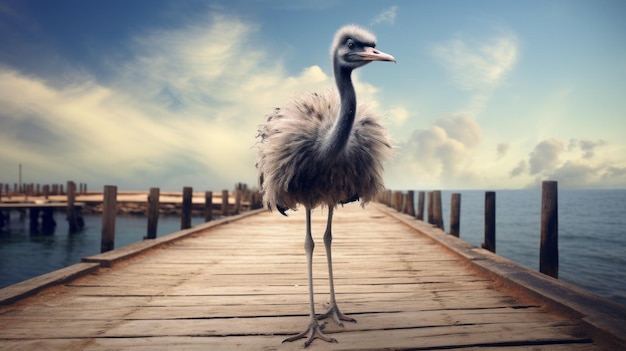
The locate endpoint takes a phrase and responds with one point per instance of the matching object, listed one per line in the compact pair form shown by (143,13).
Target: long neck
(338,136)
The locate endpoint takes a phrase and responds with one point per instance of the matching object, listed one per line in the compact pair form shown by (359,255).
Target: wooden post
(455,214)
(224,203)
(46,191)
(429,208)
(20,177)
(245,193)
(109,211)
(208,206)
(404,201)
(72,217)
(47,221)
(437,210)
(397,200)
(549,250)
(185,219)
(420,206)
(490,221)
(410,203)
(33,213)
(153,213)
(238,191)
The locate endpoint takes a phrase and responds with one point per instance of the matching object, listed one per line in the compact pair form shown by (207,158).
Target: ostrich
(322,149)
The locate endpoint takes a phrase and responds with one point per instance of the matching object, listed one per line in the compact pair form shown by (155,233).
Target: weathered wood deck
(242,285)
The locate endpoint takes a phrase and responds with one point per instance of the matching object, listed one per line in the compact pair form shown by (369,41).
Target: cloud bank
(575,164)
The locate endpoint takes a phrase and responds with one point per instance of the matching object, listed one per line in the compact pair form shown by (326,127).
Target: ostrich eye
(350,44)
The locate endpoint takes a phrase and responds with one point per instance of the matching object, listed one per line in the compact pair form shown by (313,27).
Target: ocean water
(592,237)
(592,233)
(24,256)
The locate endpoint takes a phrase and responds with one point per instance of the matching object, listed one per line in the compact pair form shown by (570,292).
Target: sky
(140,94)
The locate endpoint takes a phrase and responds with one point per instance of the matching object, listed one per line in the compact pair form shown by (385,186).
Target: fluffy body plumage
(293,168)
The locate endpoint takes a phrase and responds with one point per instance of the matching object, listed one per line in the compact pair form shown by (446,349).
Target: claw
(336,315)
(312,332)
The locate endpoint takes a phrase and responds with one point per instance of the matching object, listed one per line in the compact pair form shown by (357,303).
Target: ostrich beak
(371,54)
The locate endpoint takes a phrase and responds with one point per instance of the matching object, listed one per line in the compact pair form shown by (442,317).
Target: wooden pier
(40,213)
(240,283)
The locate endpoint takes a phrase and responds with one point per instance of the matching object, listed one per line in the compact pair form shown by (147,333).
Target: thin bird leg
(333,311)
(313,331)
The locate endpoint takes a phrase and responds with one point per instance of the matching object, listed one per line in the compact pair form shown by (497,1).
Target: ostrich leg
(333,311)
(313,331)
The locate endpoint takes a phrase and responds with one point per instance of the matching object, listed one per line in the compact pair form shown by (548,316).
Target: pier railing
(41,201)
(229,204)
(403,201)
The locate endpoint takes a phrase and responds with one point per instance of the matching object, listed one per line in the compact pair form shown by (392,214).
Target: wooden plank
(231,332)
(427,323)
(294,306)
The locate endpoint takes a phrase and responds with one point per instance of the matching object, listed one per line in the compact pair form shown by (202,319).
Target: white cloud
(502,150)
(461,128)
(521,168)
(587,146)
(475,65)
(545,156)
(441,155)
(386,16)
(398,115)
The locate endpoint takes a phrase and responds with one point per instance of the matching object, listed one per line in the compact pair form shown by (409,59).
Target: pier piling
(185,221)
(490,221)
(153,213)
(549,249)
(109,211)
(410,205)
(455,214)
(208,206)
(74,219)
(224,203)
(420,206)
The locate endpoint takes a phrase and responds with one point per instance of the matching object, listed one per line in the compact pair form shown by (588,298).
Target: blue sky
(485,94)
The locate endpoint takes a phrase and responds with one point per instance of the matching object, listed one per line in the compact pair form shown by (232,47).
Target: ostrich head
(354,47)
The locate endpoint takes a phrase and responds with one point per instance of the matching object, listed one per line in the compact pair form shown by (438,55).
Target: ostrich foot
(312,332)
(336,315)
